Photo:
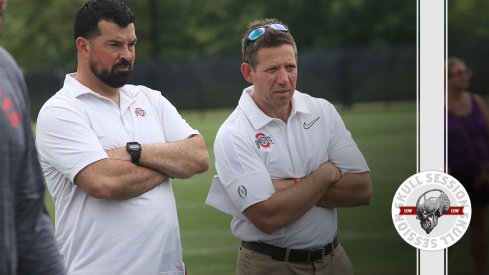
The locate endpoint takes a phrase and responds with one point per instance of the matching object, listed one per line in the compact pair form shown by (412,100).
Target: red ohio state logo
(7,107)
(263,141)
(139,112)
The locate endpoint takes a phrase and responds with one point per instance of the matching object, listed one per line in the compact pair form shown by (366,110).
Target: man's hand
(353,189)
(119,154)
(118,178)
(181,159)
(349,190)
(290,203)
(328,171)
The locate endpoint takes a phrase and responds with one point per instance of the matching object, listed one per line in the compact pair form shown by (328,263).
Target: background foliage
(39,33)
(364,48)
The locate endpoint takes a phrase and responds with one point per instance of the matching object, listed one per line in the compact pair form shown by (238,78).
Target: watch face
(133,146)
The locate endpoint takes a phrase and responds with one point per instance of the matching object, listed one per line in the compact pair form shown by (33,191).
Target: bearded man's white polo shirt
(252,148)
(133,236)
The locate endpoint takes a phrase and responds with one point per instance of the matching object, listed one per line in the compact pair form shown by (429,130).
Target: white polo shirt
(133,236)
(252,148)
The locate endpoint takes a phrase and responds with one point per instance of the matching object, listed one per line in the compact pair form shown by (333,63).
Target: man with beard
(108,151)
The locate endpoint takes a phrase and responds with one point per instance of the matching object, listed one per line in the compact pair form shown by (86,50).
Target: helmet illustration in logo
(429,207)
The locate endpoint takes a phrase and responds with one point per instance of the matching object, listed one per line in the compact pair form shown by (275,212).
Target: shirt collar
(76,89)
(257,117)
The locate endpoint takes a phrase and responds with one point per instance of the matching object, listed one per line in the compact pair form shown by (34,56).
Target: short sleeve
(175,127)
(343,151)
(242,172)
(65,139)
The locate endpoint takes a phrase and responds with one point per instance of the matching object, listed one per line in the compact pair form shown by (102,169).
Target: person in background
(27,244)
(108,151)
(285,161)
(468,152)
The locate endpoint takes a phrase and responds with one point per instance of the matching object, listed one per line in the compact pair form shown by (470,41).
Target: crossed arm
(118,178)
(324,187)
(352,189)
(289,204)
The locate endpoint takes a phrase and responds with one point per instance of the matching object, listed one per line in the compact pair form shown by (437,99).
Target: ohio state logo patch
(263,141)
(431,210)
(139,111)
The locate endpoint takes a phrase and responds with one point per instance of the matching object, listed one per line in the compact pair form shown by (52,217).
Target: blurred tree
(39,33)
(468,21)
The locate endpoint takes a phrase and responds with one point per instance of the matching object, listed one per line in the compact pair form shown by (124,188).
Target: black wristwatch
(134,149)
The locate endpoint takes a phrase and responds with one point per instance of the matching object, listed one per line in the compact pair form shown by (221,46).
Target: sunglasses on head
(259,31)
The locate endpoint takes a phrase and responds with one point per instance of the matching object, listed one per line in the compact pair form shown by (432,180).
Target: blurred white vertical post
(431,112)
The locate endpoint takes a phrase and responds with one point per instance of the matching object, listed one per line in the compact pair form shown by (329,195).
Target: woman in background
(468,151)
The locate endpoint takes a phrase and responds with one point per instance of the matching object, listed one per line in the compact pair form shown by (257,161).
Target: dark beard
(113,79)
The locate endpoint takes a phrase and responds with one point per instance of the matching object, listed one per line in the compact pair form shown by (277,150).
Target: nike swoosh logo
(308,125)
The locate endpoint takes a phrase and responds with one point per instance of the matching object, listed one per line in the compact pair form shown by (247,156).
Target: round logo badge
(242,191)
(431,210)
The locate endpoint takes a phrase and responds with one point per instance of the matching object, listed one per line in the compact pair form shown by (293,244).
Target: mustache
(123,63)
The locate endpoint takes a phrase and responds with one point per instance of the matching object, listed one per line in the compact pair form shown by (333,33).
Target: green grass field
(386,134)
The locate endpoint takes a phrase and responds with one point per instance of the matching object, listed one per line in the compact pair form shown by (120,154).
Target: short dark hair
(89,14)
(271,38)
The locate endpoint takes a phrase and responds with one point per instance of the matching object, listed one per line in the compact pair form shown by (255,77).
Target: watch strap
(135,156)
(135,153)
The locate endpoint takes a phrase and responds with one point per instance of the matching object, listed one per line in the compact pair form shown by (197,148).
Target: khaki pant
(253,263)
